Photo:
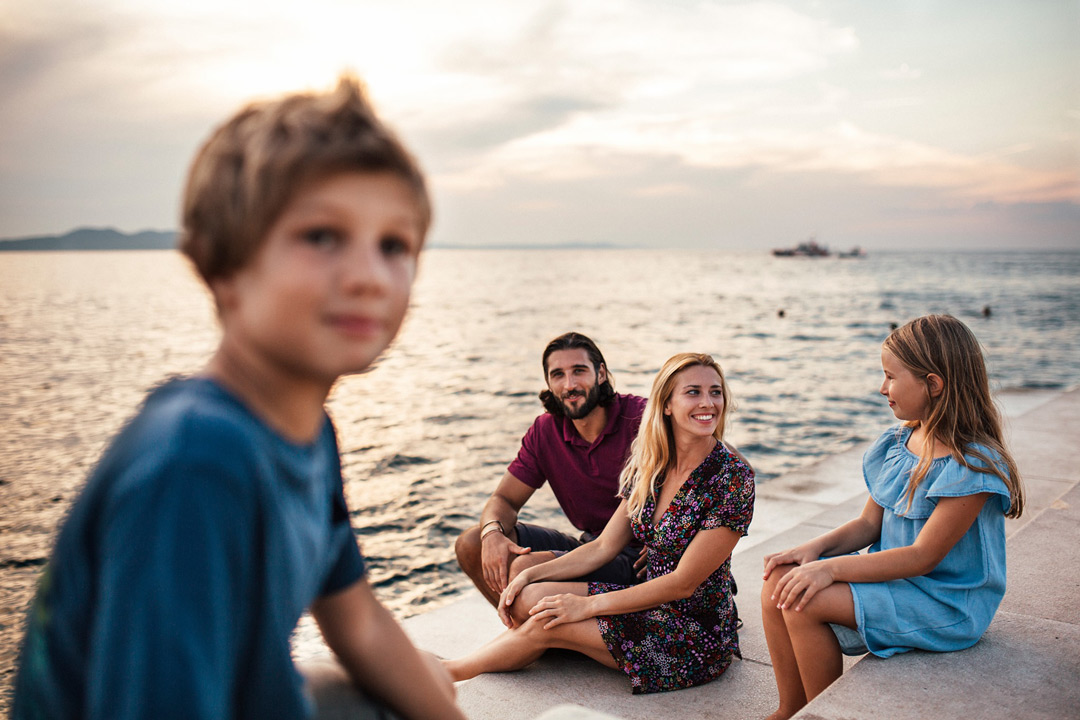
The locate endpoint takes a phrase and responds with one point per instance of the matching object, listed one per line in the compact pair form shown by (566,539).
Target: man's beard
(592,399)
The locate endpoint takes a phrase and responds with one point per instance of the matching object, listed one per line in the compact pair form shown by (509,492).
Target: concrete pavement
(1027,665)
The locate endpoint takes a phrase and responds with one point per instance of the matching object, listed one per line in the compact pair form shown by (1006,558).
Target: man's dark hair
(576,341)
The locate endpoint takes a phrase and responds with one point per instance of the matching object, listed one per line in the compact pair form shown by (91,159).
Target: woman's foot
(454,670)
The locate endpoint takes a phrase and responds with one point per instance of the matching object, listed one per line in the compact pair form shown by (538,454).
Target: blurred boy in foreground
(217,516)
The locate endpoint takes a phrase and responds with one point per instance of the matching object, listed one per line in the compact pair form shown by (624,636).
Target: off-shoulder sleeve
(732,489)
(887,466)
(955,480)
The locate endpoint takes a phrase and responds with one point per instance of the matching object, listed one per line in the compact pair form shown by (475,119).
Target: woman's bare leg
(516,648)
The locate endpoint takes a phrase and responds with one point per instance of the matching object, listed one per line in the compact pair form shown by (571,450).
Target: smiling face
(697,401)
(907,394)
(327,290)
(572,378)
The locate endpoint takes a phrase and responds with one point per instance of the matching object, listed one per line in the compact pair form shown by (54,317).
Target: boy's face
(328,289)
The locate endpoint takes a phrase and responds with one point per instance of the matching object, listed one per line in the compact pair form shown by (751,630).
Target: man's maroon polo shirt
(584,478)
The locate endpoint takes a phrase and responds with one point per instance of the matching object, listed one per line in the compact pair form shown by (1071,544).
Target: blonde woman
(689,499)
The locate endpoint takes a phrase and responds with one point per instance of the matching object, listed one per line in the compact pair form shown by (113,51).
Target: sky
(902,125)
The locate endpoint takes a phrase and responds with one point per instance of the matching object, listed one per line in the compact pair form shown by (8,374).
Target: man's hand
(496,551)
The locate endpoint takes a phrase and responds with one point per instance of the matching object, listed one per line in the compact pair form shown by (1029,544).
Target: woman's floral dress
(691,641)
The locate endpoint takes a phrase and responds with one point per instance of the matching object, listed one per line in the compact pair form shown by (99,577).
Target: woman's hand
(509,594)
(641,565)
(558,609)
(799,555)
(802,583)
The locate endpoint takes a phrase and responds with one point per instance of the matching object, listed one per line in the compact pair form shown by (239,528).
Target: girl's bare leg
(516,648)
(817,651)
(785,667)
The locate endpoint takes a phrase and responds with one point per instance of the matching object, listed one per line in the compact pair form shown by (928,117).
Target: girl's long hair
(963,416)
(653,451)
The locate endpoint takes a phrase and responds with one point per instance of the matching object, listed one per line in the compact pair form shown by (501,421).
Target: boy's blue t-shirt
(183,567)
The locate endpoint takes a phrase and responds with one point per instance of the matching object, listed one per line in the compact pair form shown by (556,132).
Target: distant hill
(112,239)
(95,239)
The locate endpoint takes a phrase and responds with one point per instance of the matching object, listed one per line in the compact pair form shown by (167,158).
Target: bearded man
(578,446)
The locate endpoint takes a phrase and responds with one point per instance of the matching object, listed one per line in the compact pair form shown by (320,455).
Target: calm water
(427,433)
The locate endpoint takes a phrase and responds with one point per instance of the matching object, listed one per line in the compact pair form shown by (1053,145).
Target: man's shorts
(619,571)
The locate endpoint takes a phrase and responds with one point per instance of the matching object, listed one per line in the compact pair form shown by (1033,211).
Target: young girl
(941,484)
(689,499)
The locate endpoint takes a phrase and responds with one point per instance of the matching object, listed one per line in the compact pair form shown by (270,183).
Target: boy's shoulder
(195,412)
(188,424)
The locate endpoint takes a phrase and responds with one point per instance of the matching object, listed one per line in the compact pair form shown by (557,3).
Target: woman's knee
(529,596)
(522,562)
(534,593)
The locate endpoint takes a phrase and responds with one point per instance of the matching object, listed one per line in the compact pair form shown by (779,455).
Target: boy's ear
(935,384)
(223,291)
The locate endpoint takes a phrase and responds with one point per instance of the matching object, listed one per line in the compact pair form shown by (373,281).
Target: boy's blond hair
(251,167)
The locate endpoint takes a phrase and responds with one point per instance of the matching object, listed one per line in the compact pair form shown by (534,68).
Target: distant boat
(810,248)
(855,252)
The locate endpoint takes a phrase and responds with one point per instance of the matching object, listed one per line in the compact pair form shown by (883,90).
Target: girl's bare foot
(781,714)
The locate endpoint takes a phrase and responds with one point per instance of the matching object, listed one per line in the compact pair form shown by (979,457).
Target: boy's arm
(379,657)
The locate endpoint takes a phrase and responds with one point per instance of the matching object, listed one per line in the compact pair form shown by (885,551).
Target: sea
(428,431)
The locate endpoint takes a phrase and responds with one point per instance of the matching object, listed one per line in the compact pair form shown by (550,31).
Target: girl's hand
(509,594)
(802,583)
(558,609)
(800,555)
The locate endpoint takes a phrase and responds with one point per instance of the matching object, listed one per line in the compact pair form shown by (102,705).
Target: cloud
(519,117)
(893,103)
(559,109)
(665,190)
(612,63)
(904,72)
(605,147)
(46,57)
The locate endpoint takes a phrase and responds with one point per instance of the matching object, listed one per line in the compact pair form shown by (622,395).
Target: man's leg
(620,571)
(542,540)
(467,549)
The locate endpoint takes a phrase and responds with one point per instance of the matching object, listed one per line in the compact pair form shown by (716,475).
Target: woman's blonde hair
(963,415)
(653,451)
